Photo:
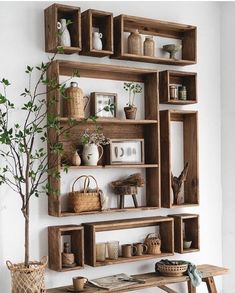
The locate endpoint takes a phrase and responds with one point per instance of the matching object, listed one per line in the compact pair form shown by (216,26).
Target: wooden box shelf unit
(171,77)
(147,129)
(185,33)
(186,226)
(190,151)
(103,23)
(166,231)
(55,247)
(52,15)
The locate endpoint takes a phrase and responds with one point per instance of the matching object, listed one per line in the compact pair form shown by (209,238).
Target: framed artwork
(101,100)
(126,151)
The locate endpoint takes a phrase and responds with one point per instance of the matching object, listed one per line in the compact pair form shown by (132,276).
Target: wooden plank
(165,159)
(167,289)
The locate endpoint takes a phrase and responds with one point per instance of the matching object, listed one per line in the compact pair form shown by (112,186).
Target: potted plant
(23,149)
(132,89)
(92,141)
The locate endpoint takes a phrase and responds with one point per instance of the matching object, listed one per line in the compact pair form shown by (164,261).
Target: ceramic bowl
(187,244)
(172,49)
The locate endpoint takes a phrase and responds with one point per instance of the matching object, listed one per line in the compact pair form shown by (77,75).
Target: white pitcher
(96,40)
(64,38)
(90,154)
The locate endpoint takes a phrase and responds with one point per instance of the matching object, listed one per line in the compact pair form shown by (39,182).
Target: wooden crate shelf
(186,33)
(147,129)
(55,247)
(102,21)
(166,230)
(186,226)
(169,77)
(190,145)
(52,15)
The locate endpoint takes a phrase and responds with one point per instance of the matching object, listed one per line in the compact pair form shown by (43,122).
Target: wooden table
(154,280)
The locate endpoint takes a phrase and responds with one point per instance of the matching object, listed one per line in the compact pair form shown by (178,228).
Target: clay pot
(130,112)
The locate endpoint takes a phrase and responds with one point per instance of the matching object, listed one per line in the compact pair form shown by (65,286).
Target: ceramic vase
(76,160)
(90,154)
(135,43)
(64,38)
(96,40)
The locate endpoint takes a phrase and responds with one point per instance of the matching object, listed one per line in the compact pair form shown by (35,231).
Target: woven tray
(174,270)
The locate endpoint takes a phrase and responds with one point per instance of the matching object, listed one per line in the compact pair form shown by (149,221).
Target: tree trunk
(26,245)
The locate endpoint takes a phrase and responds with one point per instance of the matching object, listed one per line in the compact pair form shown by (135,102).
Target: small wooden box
(186,226)
(103,22)
(172,77)
(55,234)
(52,15)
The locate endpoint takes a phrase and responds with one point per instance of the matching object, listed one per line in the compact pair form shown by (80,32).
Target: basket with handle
(87,199)
(153,243)
(29,279)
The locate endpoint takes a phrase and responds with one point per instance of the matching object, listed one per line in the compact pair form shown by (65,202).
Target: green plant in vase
(92,141)
(132,88)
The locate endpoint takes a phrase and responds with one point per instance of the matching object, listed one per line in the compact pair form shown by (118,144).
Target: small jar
(182,93)
(149,47)
(173,92)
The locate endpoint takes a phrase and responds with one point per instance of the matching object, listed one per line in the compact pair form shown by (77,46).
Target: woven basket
(153,242)
(175,270)
(85,200)
(28,280)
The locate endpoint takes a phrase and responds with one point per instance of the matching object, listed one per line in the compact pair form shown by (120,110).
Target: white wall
(228,138)
(22,43)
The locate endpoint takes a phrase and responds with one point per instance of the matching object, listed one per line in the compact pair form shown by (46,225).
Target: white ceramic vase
(64,38)
(96,40)
(90,154)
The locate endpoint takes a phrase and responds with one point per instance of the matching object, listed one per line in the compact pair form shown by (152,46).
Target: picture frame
(101,99)
(126,151)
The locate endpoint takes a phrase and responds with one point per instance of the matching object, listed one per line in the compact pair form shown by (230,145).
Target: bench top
(151,280)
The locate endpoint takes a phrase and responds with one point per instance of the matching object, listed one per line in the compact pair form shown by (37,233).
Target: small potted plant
(92,141)
(132,89)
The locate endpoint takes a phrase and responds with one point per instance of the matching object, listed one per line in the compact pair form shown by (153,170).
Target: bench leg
(191,289)
(210,284)
(135,200)
(122,201)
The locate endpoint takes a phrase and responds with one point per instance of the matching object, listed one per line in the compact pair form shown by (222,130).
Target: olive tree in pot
(25,169)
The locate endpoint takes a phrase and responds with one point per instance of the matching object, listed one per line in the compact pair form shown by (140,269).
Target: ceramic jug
(96,40)
(64,38)
(90,154)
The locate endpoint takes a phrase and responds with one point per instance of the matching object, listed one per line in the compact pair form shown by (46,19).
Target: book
(115,282)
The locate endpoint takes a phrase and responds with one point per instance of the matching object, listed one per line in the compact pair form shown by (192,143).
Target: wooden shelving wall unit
(52,15)
(137,129)
(55,247)
(190,144)
(103,21)
(186,226)
(166,230)
(186,33)
(188,79)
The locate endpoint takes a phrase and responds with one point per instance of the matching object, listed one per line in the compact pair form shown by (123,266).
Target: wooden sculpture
(177,185)
(128,186)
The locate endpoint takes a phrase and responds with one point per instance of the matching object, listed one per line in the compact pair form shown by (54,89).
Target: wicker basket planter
(177,269)
(28,280)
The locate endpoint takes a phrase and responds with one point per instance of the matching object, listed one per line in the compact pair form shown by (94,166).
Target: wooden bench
(154,280)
